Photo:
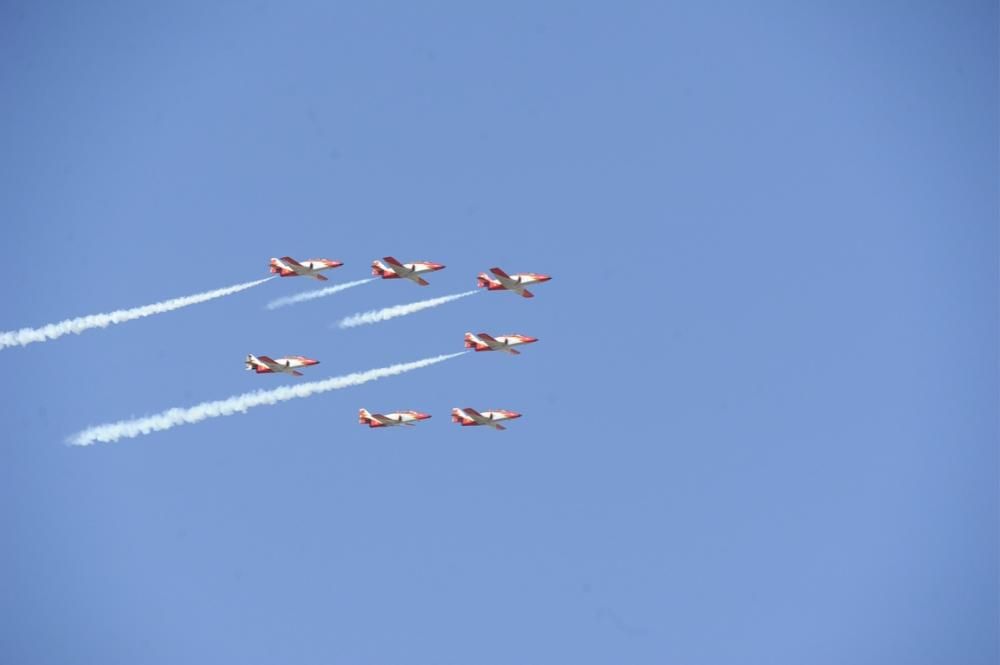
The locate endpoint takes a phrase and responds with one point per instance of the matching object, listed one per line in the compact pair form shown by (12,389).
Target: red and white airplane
(502,281)
(485,342)
(471,417)
(393,269)
(390,419)
(286,266)
(286,365)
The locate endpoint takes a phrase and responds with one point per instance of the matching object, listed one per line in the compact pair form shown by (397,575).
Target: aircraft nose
(438,266)
(544,278)
(529,340)
(423,416)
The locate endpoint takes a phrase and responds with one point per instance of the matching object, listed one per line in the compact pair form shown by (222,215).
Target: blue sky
(760,425)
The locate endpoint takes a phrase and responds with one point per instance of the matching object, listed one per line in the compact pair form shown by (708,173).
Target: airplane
(392,269)
(390,419)
(516,283)
(286,266)
(286,365)
(471,417)
(485,342)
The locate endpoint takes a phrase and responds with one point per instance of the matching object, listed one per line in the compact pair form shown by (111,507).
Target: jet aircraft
(286,266)
(470,417)
(486,342)
(502,281)
(390,268)
(391,419)
(286,365)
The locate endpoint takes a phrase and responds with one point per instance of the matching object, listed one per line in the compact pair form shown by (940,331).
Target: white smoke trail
(26,336)
(127,429)
(312,295)
(386,313)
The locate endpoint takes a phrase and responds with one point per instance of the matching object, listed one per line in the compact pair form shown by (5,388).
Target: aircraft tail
(470,342)
(483,281)
(251,361)
(363,416)
(456,416)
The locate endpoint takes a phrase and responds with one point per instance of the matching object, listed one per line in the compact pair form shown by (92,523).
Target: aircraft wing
(474,415)
(480,419)
(293,264)
(269,363)
(511,283)
(403,271)
(378,417)
(396,266)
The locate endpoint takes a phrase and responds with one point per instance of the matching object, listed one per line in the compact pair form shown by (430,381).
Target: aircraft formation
(390,268)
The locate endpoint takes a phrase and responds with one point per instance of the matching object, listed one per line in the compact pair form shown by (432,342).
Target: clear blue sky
(761,423)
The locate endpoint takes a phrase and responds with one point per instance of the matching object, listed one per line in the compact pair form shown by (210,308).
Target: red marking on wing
(500,273)
(527,294)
